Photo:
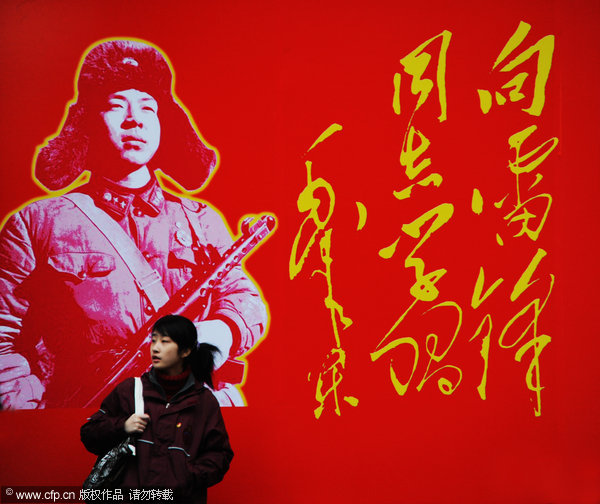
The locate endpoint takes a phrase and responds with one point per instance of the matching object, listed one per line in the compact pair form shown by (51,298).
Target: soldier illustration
(81,273)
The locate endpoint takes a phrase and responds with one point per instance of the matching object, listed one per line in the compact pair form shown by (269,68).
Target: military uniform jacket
(68,304)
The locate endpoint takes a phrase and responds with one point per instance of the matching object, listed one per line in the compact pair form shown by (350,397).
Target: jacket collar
(189,384)
(118,200)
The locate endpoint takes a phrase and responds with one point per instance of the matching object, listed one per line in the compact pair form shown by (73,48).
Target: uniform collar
(118,200)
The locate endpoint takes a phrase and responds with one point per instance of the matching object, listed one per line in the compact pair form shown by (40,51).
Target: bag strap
(147,279)
(138,394)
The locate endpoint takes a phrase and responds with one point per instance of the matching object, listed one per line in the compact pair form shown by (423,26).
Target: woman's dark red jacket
(185,446)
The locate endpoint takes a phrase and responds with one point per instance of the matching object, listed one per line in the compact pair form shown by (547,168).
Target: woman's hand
(136,424)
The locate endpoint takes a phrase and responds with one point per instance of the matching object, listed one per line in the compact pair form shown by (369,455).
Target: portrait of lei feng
(81,273)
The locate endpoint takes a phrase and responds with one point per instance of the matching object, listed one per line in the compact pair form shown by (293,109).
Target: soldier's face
(131,119)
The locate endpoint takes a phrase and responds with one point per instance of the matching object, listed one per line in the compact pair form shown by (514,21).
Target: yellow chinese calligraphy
(318,199)
(415,64)
(544,48)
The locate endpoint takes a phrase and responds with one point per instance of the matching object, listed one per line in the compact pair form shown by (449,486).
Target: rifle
(195,294)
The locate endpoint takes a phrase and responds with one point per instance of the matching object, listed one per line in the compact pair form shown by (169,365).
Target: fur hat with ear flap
(113,66)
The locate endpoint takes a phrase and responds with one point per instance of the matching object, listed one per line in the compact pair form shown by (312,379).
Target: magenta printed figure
(82,273)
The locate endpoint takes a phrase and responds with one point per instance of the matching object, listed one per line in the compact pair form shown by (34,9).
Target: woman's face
(165,354)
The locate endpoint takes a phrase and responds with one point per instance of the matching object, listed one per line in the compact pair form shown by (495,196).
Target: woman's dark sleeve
(105,428)
(211,464)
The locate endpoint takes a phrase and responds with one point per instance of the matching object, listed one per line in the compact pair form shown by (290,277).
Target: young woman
(182,443)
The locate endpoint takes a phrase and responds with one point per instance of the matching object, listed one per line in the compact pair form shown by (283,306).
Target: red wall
(263,80)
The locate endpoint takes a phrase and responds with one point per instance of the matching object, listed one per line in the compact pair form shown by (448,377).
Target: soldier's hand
(19,389)
(217,333)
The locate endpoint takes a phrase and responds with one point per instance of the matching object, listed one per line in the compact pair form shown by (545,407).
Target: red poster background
(263,80)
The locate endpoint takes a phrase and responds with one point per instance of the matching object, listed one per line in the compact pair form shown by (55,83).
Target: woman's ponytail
(183,332)
(202,362)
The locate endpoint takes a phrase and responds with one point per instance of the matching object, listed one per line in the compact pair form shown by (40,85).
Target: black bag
(109,467)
